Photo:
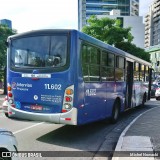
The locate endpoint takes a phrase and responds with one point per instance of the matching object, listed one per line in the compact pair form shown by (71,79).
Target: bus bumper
(69,117)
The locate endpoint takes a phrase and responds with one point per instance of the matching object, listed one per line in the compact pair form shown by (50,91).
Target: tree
(4,33)
(107,30)
(111,32)
(132,49)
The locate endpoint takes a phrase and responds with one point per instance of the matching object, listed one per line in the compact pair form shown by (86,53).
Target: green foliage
(132,49)
(4,33)
(107,30)
(111,32)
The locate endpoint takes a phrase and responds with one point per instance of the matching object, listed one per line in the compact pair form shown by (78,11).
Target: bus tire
(115,112)
(144,99)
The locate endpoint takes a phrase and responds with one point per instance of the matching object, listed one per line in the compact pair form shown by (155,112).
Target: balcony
(96,12)
(101,4)
(147,20)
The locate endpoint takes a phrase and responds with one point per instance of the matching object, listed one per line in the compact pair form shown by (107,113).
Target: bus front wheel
(143,100)
(115,112)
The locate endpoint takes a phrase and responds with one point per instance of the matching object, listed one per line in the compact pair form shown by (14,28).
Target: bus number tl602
(53,86)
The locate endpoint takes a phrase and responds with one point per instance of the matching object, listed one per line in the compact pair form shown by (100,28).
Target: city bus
(68,77)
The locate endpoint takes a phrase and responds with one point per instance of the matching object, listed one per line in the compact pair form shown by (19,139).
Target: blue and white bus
(68,77)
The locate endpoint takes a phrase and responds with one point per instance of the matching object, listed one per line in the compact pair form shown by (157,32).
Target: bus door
(129,83)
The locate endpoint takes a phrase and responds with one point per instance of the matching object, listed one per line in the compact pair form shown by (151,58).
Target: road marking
(1,114)
(21,130)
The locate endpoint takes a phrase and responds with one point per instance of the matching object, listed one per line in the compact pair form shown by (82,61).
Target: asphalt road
(77,141)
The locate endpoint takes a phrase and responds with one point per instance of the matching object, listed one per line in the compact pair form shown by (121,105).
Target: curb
(121,138)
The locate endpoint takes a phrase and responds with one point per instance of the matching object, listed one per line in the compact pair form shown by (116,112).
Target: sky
(29,15)
(144,6)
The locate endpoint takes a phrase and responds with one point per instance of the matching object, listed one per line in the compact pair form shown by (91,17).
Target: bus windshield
(39,51)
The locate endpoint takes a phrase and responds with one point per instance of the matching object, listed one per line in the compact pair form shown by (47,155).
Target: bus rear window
(40,51)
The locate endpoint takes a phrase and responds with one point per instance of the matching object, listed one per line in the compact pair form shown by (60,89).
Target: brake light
(10,95)
(68,99)
(68,119)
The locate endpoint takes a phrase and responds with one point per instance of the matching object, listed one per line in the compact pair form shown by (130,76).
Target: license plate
(36,107)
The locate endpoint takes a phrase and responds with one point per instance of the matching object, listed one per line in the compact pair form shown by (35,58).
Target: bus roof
(82,36)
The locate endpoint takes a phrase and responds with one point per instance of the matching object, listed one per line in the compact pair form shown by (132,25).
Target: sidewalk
(141,138)
(1,91)
(2,96)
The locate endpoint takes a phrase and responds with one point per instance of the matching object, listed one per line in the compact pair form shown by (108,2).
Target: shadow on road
(77,136)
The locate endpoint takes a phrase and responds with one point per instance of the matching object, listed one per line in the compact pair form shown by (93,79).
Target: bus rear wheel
(115,112)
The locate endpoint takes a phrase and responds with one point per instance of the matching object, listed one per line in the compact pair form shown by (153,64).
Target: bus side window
(136,71)
(146,74)
(95,56)
(85,64)
(111,60)
(107,74)
(119,71)
(90,63)
(142,73)
(107,66)
(94,68)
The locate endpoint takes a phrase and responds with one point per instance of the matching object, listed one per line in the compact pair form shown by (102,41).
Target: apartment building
(152,34)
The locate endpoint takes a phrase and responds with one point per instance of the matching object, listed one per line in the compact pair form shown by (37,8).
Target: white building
(136,24)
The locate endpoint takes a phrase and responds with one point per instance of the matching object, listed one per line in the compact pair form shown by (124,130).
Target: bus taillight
(10,95)
(67,106)
(68,99)
(69,91)
(9,88)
